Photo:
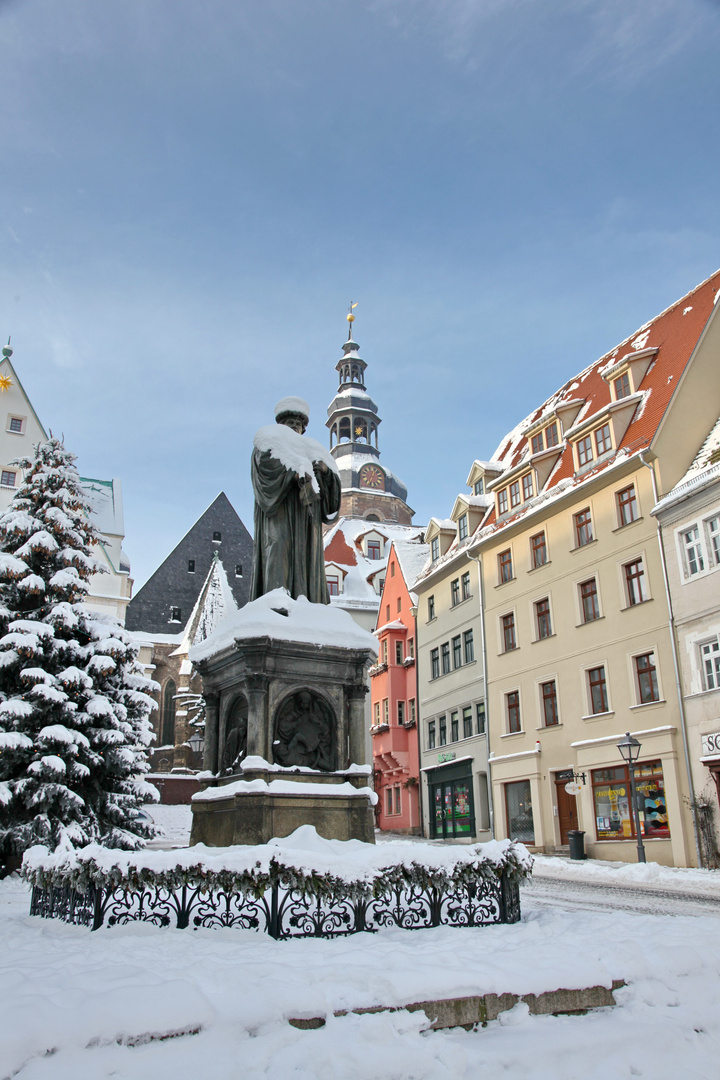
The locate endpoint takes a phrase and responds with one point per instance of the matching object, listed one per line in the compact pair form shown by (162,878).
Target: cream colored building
(455,792)
(577,621)
(690,520)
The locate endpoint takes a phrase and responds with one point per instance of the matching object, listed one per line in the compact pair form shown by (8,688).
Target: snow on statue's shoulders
(277,616)
(294,451)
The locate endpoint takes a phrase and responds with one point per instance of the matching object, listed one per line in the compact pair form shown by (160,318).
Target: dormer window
(175,614)
(479,488)
(538,443)
(373,549)
(502,501)
(191,566)
(603,441)
(463,527)
(515,493)
(551,435)
(527,486)
(584,451)
(217,537)
(333,584)
(435,548)
(621,385)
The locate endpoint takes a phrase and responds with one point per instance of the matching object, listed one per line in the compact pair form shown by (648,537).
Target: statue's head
(294,413)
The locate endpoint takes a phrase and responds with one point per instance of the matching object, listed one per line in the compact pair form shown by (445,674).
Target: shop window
(518,806)
(434,663)
(508,633)
(538,550)
(548,691)
(505,570)
(454,726)
(710,659)
(467,722)
(455,591)
(635,586)
(589,605)
(512,710)
(445,657)
(646,677)
(613,812)
(627,505)
(465,586)
(583,528)
(431,735)
(442,731)
(542,619)
(480,718)
(469,647)
(597,690)
(457,651)
(452,808)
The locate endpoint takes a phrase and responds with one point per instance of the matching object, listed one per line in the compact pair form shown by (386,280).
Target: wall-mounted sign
(573,788)
(711,744)
(449,755)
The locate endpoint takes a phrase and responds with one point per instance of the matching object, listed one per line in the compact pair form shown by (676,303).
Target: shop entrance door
(453,809)
(567,808)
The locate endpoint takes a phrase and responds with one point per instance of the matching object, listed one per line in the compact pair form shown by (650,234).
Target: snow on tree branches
(74,703)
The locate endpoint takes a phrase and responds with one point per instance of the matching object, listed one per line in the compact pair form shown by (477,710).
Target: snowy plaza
(141,1002)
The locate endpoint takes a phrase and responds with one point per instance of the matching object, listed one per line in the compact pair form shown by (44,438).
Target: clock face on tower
(371,476)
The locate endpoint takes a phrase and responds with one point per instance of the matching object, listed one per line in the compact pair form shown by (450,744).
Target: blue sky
(192,193)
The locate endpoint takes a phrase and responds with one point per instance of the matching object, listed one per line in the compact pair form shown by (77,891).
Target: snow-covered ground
(138,1002)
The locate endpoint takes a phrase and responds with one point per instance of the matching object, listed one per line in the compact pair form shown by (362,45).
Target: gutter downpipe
(676,661)
(491,806)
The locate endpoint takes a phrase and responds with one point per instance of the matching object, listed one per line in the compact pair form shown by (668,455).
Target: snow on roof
(343,547)
(396,624)
(412,557)
(704,469)
(313,624)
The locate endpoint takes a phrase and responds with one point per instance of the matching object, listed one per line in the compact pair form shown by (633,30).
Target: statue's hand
(307,495)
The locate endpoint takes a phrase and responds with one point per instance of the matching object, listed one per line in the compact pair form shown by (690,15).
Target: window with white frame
(693,551)
(712,531)
(710,659)
(700,546)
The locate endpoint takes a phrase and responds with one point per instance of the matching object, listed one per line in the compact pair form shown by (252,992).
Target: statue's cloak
(289,549)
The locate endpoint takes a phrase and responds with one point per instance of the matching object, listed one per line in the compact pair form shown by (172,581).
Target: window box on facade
(542,619)
(509,641)
(538,550)
(597,691)
(583,528)
(646,678)
(589,604)
(627,506)
(613,811)
(505,570)
(635,583)
(548,696)
(512,712)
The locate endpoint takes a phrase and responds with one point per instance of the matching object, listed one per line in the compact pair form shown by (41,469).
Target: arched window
(333,435)
(360,430)
(345,429)
(167,737)
(373,434)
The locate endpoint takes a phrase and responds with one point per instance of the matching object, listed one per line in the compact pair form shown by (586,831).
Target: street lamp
(196,741)
(630,750)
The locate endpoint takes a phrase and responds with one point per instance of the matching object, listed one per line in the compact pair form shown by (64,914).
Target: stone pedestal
(284,719)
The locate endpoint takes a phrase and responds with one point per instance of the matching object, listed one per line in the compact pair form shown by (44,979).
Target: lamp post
(197,742)
(630,750)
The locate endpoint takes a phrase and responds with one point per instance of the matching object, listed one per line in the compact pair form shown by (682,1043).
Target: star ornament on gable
(5,383)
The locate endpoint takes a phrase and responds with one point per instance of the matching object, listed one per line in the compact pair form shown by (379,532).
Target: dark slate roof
(173,586)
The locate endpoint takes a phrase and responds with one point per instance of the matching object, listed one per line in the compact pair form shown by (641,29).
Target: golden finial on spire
(351,318)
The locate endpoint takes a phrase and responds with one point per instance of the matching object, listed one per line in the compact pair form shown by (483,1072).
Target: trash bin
(577,844)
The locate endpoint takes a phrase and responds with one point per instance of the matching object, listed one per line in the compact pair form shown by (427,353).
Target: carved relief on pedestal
(304,732)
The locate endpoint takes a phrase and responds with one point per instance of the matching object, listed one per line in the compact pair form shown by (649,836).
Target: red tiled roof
(339,551)
(674,333)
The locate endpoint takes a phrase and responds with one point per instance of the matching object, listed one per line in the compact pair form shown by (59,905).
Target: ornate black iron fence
(284,912)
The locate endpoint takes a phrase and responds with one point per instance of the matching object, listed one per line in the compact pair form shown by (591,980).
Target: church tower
(369,490)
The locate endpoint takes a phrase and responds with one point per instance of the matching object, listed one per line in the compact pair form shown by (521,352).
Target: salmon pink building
(393,693)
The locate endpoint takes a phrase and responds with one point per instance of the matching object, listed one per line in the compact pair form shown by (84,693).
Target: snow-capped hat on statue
(292,406)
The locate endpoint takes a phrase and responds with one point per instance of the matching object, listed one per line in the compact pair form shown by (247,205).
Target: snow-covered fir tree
(74,703)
